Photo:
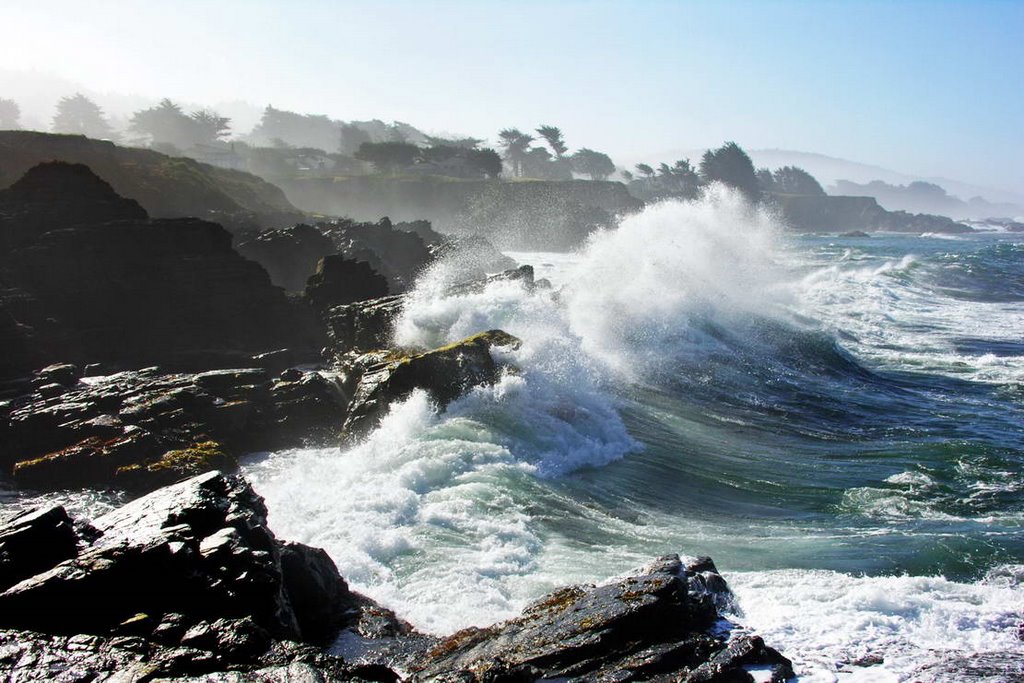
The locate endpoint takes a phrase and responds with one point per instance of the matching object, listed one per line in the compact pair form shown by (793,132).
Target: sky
(927,88)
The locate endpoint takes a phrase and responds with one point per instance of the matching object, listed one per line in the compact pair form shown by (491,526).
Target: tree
(553,136)
(10,112)
(795,180)
(210,126)
(645,170)
(595,164)
(79,115)
(765,180)
(627,176)
(352,136)
(730,165)
(516,144)
(166,124)
(486,161)
(388,156)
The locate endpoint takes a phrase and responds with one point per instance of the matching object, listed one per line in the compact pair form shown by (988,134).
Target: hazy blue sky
(929,88)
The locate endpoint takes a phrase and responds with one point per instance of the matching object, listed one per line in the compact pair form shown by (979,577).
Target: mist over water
(836,422)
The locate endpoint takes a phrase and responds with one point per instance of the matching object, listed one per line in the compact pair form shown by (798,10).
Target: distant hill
(167,187)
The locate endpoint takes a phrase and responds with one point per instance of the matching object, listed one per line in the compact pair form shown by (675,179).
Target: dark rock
(91,279)
(363,326)
(445,373)
(144,429)
(316,591)
(199,548)
(727,664)
(290,255)
(64,374)
(854,233)
(396,254)
(339,281)
(654,623)
(33,542)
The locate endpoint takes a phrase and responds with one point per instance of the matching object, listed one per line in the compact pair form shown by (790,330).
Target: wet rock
(144,429)
(396,254)
(445,373)
(654,623)
(316,591)
(363,326)
(728,664)
(33,542)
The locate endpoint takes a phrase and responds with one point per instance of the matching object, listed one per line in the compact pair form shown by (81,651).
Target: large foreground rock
(654,625)
(186,580)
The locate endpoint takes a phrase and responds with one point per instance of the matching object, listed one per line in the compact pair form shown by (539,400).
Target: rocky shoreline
(163,356)
(189,583)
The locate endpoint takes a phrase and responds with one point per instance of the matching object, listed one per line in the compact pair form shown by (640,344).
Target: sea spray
(696,382)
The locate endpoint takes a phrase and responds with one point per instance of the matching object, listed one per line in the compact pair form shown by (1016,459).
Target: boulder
(655,623)
(363,326)
(445,373)
(396,254)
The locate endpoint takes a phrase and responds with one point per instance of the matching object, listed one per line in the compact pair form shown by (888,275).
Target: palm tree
(516,144)
(553,136)
(645,170)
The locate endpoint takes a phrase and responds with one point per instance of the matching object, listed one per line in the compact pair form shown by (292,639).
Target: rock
(727,664)
(90,278)
(339,281)
(33,542)
(396,254)
(144,429)
(445,373)
(854,233)
(653,623)
(363,326)
(315,590)
(62,374)
(185,581)
(290,255)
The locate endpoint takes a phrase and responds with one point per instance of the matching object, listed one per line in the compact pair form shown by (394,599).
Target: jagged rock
(396,254)
(366,325)
(88,277)
(651,624)
(185,581)
(315,589)
(363,326)
(290,255)
(445,373)
(33,542)
(144,429)
(339,281)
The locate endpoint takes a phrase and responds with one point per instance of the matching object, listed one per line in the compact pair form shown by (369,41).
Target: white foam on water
(837,627)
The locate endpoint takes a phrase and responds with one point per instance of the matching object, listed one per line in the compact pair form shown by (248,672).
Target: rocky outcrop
(166,187)
(190,583)
(445,373)
(289,255)
(339,281)
(396,254)
(846,214)
(88,278)
(652,626)
(185,581)
(143,429)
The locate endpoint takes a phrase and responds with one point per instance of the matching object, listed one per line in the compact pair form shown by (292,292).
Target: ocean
(837,421)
